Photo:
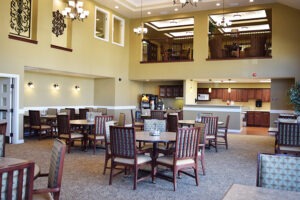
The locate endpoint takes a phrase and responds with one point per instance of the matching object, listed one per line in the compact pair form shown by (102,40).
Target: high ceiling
(132,8)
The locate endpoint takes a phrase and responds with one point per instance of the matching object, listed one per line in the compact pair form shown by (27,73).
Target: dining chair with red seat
(98,132)
(212,130)
(3,126)
(36,124)
(157,114)
(64,131)
(222,133)
(17,181)
(185,155)
(124,153)
(55,173)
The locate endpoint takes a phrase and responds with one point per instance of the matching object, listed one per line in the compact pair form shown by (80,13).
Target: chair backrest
(121,121)
(226,125)
(206,114)
(180,115)
(56,164)
(52,111)
(102,110)
(152,124)
(17,181)
(100,124)
(107,131)
(278,172)
(157,114)
(122,142)
(72,113)
(34,118)
(172,122)
(203,132)
(63,124)
(3,126)
(187,141)
(82,113)
(288,134)
(212,124)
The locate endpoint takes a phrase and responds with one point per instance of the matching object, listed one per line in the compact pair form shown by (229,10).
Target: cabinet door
(265,119)
(176,91)
(180,91)
(266,93)
(213,94)
(225,95)
(219,93)
(232,95)
(258,93)
(251,93)
(162,91)
(257,118)
(244,95)
(238,95)
(170,91)
(250,118)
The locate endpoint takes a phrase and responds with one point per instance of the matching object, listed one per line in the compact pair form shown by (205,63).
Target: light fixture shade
(75,11)
(209,90)
(30,84)
(77,87)
(229,90)
(56,86)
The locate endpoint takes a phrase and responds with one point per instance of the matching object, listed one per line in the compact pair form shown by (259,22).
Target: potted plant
(294,94)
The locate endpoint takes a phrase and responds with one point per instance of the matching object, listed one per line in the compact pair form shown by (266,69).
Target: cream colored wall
(104,92)
(285,52)
(44,94)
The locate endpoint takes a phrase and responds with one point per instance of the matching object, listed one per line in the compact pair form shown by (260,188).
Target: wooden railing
(240,45)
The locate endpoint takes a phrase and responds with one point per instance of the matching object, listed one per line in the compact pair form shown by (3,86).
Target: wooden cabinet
(170,91)
(241,95)
(266,93)
(232,94)
(258,93)
(251,93)
(257,118)
(219,93)
(225,96)
(213,94)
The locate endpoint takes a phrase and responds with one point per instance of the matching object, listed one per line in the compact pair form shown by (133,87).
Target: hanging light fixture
(186,2)
(209,89)
(75,11)
(229,88)
(223,22)
(141,29)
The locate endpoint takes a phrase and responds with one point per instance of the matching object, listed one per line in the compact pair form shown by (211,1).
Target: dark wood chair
(212,130)
(185,155)
(157,114)
(36,124)
(288,138)
(3,126)
(72,113)
(135,124)
(64,131)
(82,113)
(172,122)
(202,142)
(17,181)
(55,172)
(99,130)
(124,153)
(107,144)
(280,172)
(222,133)
(121,120)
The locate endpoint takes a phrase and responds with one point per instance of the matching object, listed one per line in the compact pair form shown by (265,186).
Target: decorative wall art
(20,17)
(58,23)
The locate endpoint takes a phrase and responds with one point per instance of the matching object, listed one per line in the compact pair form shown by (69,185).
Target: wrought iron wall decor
(20,17)
(58,23)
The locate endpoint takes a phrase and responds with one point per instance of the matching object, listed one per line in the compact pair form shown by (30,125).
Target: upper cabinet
(170,91)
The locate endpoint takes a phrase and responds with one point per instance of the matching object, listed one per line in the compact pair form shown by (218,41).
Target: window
(118,30)
(101,24)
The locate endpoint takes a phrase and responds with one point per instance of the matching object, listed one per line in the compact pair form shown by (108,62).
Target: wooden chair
(288,138)
(17,181)
(135,124)
(185,155)
(222,133)
(36,124)
(99,130)
(72,113)
(121,121)
(64,131)
(157,114)
(82,113)
(212,126)
(55,173)
(3,126)
(172,122)
(124,153)
(52,122)
(278,172)
(202,142)
(107,144)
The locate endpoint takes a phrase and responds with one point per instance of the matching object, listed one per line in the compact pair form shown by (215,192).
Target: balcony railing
(240,45)
(167,50)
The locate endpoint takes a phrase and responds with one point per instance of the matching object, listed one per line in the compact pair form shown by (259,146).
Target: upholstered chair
(136,124)
(288,138)
(222,133)
(212,130)
(202,142)
(107,144)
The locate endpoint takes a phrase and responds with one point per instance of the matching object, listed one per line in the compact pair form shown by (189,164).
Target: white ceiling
(132,8)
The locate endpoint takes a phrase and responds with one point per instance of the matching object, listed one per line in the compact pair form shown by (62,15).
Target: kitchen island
(235,124)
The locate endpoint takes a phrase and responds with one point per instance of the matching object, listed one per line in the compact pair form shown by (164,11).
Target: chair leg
(105,164)
(174,178)
(94,147)
(226,142)
(203,164)
(111,172)
(136,169)
(196,175)
(56,195)
(216,145)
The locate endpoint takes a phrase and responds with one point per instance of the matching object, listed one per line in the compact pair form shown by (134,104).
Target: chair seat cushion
(288,148)
(140,159)
(210,137)
(98,137)
(221,134)
(73,135)
(169,161)
(41,127)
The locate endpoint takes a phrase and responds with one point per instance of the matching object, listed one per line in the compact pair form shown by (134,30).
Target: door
(6,103)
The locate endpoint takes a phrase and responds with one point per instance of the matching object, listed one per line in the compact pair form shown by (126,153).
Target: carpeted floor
(83,179)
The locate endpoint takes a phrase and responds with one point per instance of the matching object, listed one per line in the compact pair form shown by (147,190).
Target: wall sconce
(77,87)
(30,84)
(56,86)
(229,88)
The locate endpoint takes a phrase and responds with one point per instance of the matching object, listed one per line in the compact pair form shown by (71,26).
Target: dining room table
(86,128)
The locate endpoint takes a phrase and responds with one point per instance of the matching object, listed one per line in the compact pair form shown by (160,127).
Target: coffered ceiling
(132,8)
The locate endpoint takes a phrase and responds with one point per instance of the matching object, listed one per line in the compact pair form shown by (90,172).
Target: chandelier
(141,29)
(223,22)
(185,2)
(75,11)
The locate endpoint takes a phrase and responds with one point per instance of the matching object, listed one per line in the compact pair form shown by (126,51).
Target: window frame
(106,32)
(122,29)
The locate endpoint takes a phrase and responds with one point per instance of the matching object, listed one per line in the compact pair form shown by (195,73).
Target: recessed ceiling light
(149,13)
(176,9)
(218,4)
(117,7)
(251,1)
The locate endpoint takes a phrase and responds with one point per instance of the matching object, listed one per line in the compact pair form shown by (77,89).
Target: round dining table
(87,127)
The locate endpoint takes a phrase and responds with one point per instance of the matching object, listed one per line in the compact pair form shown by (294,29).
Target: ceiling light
(75,11)
(141,29)
(149,13)
(251,1)
(223,22)
(175,9)
(218,4)
(186,2)
(116,7)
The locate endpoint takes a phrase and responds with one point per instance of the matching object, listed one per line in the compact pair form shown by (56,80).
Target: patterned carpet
(83,179)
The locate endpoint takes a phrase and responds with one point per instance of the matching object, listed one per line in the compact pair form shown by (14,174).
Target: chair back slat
(122,141)
(100,124)
(71,113)
(82,113)
(187,141)
(203,132)
(212,124)
(288,134)
(63,124)
(152,124)
(172,122)
(34,118)
(157,114)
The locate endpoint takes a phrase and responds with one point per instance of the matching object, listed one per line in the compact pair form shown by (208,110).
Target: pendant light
(209,89)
